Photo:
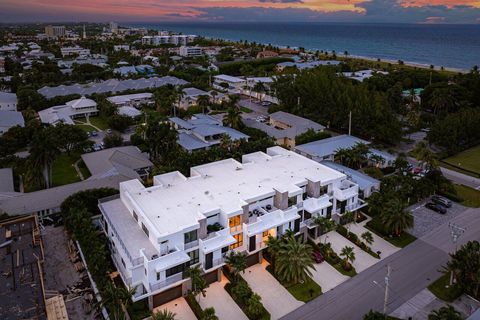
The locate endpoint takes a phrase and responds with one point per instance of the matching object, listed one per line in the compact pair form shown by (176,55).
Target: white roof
(228,78)
(129,97)
(129,111)
(81,103)
(176,203)
(6,97)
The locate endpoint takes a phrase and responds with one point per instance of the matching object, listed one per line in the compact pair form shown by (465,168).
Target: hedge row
(354,239)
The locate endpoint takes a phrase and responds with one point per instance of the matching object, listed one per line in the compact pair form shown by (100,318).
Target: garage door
(253,259)
(211,277)
(167,296)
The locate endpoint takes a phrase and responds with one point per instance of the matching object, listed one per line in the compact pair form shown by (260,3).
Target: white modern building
(185,51)
(8,101)
(79,108)
(229,83)
(178,39)
(121,47)
(158,232)
(132,100)
(55,31)
(79,51)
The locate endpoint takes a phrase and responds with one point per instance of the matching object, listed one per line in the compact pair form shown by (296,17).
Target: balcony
(216,241)
(215,263)
(236,229)
(169,281)
(345,190)
(272,220)
(191,244)
(173,258)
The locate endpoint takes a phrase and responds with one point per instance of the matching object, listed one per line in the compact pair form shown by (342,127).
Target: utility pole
(350,123)
(387,285)
(455,232)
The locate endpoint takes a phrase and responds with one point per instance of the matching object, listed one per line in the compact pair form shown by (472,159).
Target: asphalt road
(412,269)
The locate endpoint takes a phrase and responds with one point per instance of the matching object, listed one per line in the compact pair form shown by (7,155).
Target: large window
(239,243)
(175,270)
(190,236)
(323,190)
(194,257)
(145,230)
(234,221)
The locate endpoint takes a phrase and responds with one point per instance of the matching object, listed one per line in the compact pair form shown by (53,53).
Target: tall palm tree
(294,261)
(237,262)
(273,246)
(198,282)
(203,101)
(465,266)
(423,154)
(394,218)
(445,313)
(43,153)
(209,314)
(116,299)
(233,118)
(348,256)
(163,315)
(325,224)
(344,156)
(259,87)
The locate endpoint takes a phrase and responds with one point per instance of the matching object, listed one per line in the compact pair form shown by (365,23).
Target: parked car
(442,201)
(94,133)
(266,103)
(317,256)
(436,207)
(109,131)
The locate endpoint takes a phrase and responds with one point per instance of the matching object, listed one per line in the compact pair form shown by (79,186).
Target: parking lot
(426,220)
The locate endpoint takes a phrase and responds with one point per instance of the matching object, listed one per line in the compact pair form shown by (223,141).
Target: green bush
(194,305)
(374,172)
(354,239)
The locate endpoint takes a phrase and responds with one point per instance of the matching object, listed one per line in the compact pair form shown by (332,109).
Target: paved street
(413,269)
(461,178)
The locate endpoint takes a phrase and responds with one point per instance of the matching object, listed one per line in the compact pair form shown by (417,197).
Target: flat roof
(176,202)
(228,78)
(129,97)
(6,180)
(363,180)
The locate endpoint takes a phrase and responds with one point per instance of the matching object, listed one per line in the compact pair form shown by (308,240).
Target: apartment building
(135,100)
(79,51)
(178,39)
(190,51)
(158,232)
(229,83)
(55,31)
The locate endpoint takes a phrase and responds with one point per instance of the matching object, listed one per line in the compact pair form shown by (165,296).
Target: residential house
(284,127)
(156,233)
(327,148)
(202,132)
(190,97)
(135,100)
(78,108)
(9,119)
(306,65)
(228,83)
(266,54)
(121,47)
(362,75)
(76,50)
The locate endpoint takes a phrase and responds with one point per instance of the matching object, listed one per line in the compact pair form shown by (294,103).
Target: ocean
(452,46)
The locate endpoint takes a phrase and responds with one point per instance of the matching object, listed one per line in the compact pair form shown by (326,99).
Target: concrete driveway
(362,261)
(379,244)
(327,276)
(180,307)
(220,300)
(275,298)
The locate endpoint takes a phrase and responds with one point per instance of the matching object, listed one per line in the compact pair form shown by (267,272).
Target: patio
(379,244)
(220,300)
(275,298)
(180,307)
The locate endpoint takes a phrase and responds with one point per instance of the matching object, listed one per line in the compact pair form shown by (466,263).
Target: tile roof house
(202,132)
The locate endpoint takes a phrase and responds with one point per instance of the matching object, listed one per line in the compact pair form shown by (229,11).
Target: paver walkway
(362,261)
(275,298)
(180,307)
(327,276)
(220,300)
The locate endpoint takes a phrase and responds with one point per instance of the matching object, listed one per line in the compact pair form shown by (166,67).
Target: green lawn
(402,241)
(246,110)
(86,128)
(468,159)
(441,289)
(470,196)
(304,292)
(84,170)
(99,122)
(63,171)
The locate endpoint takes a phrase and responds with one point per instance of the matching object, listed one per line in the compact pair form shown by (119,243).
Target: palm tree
(254,305)
(465,267)
(294,260)
(209,314)
(116,299)
(203,101)
(233,118)
(423,154)
(163,315)
(348,256)
(198,282)
(344,156)
(259,87)
(368,237)
(445,313)
(237,262)
(43,153)
(394,218)
(273,246)
(325,224)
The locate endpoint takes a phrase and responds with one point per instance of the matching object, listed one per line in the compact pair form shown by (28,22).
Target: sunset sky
(417,11)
